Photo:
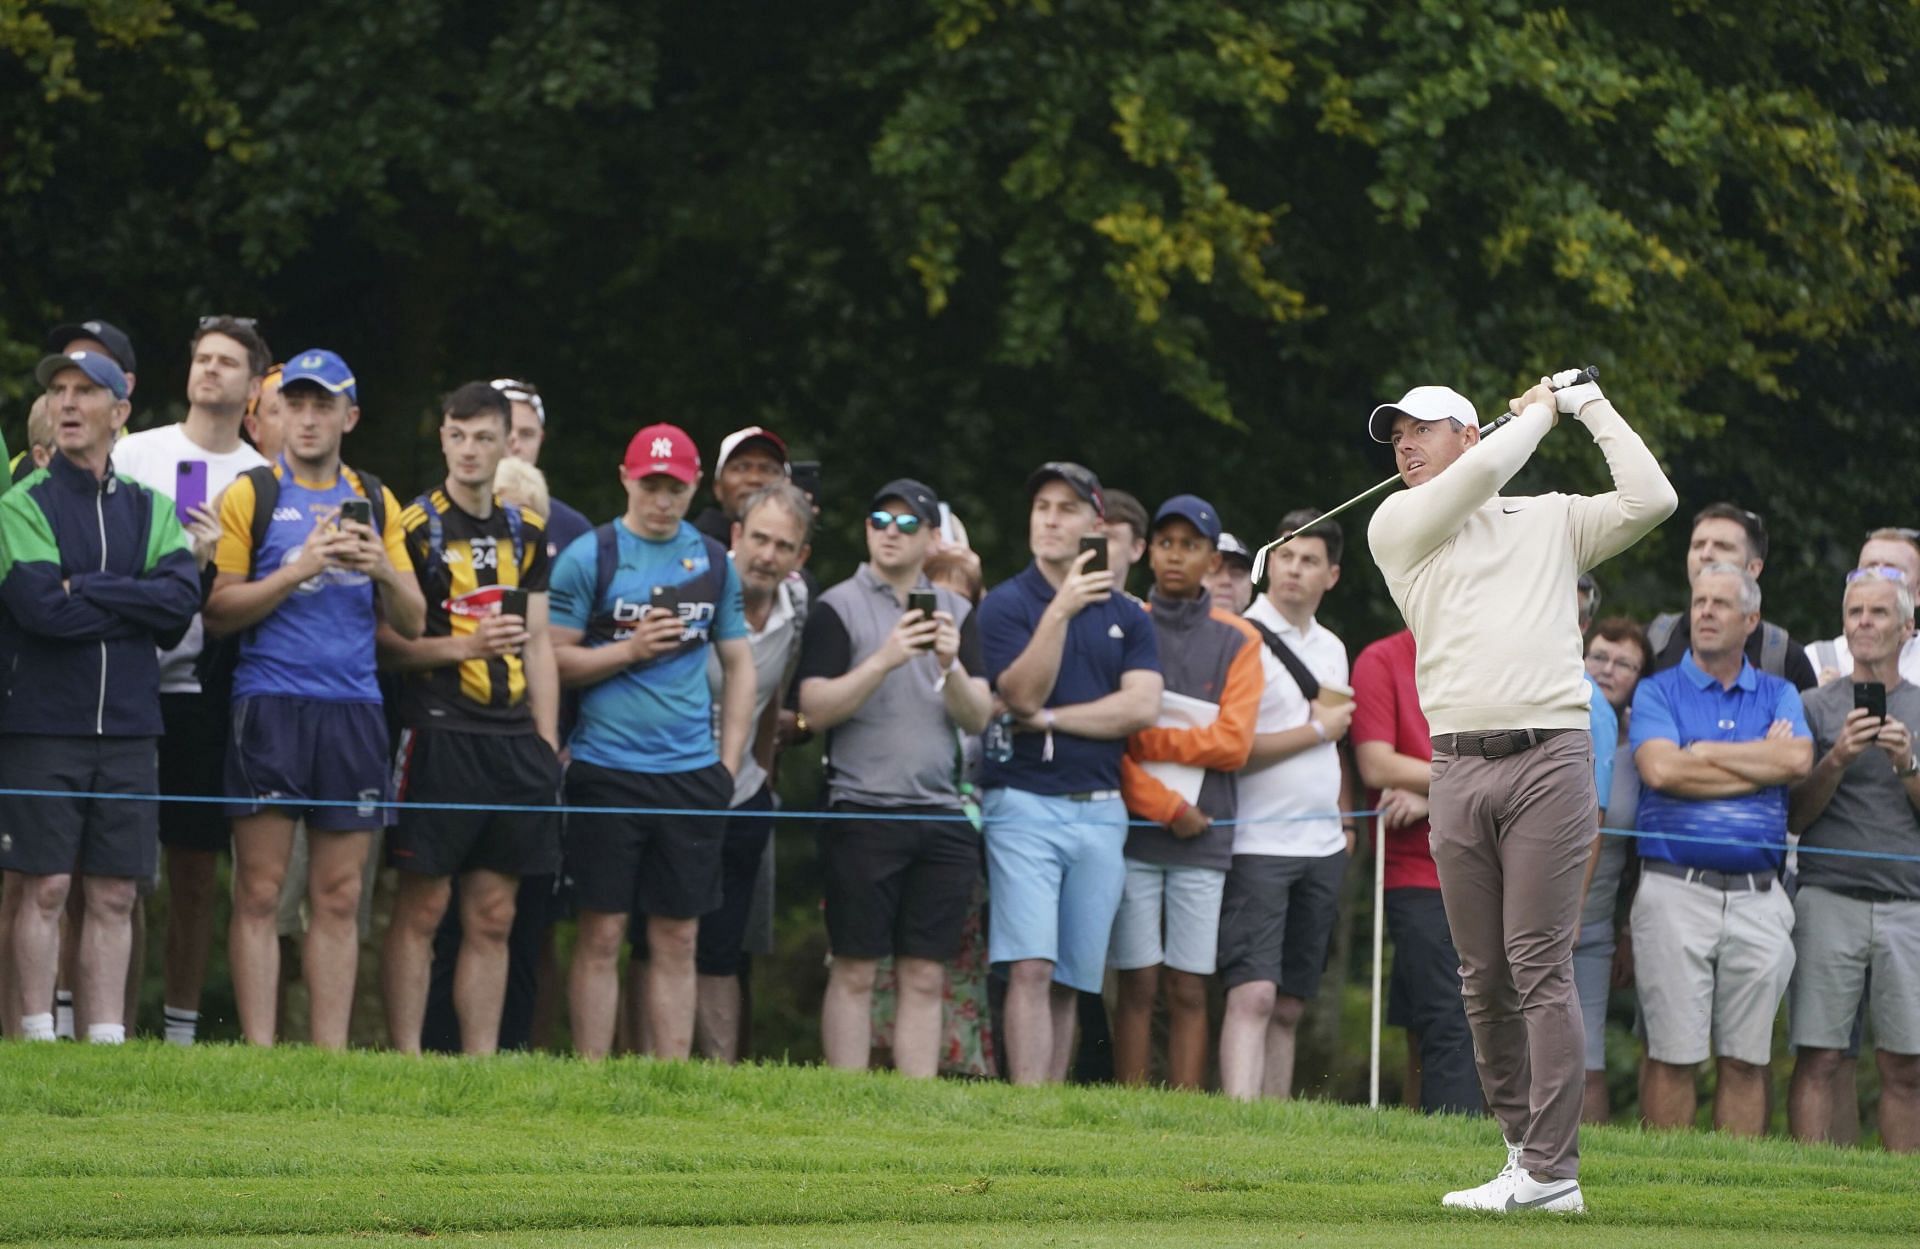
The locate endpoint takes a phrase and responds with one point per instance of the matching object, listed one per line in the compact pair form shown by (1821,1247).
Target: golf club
(1589,374)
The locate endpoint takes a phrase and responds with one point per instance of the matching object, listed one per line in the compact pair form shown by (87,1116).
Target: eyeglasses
(518,391)
(906,522)
(1877,572)
(1600,663)
(245,323)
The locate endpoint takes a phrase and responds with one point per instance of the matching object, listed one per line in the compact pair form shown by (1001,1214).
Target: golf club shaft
(1588,374)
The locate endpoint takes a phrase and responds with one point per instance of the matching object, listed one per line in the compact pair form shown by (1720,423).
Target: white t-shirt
(1272,799)
(776,649)
(1832,660)
(152,457)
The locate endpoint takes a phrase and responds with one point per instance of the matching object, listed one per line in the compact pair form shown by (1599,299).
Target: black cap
(106,333)
(915,494)
(1081,478)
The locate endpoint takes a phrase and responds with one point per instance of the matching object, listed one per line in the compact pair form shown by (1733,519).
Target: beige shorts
(1837,940)
(292,919)
(1712,967)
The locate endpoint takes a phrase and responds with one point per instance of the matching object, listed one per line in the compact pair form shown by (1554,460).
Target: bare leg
(1029,1024)
(1243,1039)
(846,1014)
(670,985)
(262,845)
(406,963)
(1899,1101)
(1740,1098)
(1810,1095)
(1133,1024)
(1187,1035)
(487,901)
(336,862)
(1063,1012)
(630,1034)
(106,942)
(131,980)
(1846,1102)
(9,983)
(1667,1097)
(593,982)
(916,1028)
(1283,1030)
(36,940)
(716,1019)
(1595,1104)
(192,883)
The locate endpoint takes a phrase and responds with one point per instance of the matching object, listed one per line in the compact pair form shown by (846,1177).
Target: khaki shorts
(1712,967)
(1837,940)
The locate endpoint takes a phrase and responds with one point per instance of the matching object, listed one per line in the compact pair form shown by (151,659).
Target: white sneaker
(1553,1196)
(1491,1195)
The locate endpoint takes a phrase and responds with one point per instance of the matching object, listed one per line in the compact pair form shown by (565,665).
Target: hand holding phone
(359,511)
(1871,697)
(189,489)
(926,602)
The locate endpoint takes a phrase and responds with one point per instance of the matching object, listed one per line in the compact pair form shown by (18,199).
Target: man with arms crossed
(1857,916)
(307,582)
(1077,666)
(891,684)
(480,704)
(1486,583)
(636,603)
(227,358)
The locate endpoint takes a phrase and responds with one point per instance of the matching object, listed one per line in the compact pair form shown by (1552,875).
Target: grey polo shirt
(899,748)
(1869,809)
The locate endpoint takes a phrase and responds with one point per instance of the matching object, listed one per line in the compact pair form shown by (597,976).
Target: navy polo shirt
(1683,705)
(1103,641)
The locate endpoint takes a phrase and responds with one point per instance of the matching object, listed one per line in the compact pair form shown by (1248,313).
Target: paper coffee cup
(1334,695)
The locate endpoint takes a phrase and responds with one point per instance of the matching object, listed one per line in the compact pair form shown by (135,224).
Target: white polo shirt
(1273,799)
(776,646)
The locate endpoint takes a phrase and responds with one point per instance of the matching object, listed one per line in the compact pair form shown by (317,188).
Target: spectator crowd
(1054,813)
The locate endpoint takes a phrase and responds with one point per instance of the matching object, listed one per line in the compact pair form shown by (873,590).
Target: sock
(106,1034)
(37,1027)
(181,1025)
(63,1014)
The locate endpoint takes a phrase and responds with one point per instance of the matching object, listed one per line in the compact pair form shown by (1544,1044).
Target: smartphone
(1871,697)
(513,601)
(189,489)
(666,598)
(1098,545)
(924,601)
(806,475)
(360,511)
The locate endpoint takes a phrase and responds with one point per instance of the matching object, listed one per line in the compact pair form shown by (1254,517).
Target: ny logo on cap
(662,448)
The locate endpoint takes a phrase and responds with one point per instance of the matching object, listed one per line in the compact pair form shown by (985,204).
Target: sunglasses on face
(906,522)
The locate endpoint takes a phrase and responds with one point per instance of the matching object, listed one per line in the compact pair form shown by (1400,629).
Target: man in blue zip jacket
(94,575)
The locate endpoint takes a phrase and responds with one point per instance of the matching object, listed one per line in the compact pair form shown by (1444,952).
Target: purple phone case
(190,489)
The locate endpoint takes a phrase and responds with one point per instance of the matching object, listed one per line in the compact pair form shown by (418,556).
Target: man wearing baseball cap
(312,557)
(635,606)
(102,337)
(892,684)
(749,459)
(1231,584)
(1487,585)
(1179,776)
(95,576)
(1077,666)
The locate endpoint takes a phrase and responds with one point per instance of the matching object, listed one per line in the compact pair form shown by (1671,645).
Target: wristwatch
(1913,765)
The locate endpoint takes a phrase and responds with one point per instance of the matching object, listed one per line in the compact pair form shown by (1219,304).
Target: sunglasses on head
(246,323)
(1877,572)
(906,522)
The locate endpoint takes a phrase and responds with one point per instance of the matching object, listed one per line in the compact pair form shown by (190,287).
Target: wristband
(1319,729)
(1046,747)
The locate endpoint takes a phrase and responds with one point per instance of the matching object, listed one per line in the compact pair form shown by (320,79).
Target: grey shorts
(1276,920)
(1838,940)
(1712,967)
(1593,981)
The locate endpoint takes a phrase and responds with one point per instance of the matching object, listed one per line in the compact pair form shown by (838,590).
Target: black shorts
(193,765)
(1276,920)
(1425,976)
(664,865)
(307,757)
(90,836)
(511,770)
(898,886)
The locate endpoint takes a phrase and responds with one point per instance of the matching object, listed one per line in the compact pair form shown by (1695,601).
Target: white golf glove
(1570,394)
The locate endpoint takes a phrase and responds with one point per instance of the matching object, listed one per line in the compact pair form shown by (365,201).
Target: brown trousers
(1511,838)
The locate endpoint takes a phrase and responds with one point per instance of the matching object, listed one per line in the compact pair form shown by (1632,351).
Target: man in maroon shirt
(1394,751)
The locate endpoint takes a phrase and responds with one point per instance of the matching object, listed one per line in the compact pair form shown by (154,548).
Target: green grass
(298,1148)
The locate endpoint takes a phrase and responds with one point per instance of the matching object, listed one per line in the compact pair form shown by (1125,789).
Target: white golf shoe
(1514,1189)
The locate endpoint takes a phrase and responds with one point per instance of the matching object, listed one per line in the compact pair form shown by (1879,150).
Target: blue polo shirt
(1103,641)
(1684,705)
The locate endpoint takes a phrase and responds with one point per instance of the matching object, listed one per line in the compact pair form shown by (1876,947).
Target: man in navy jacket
(94,575)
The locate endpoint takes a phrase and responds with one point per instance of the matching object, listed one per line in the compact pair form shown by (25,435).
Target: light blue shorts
(1054,877)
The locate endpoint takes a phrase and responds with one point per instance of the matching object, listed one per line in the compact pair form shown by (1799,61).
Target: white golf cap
(1423,403)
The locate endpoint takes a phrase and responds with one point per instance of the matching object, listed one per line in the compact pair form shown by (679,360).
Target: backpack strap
(376,494)
(516,530)
(266,496)
(1295,666)
(606,562)
(1774,646)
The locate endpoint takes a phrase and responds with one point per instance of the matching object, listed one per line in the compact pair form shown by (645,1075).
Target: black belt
(1728,882)
(1494,743)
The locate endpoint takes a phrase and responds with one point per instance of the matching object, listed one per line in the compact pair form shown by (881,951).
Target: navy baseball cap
(106,333)
(1081,478)
(324,369)
(1194,510)
(915,494)
(103,370)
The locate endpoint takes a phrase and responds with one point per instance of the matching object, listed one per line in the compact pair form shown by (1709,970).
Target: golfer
(1486,583)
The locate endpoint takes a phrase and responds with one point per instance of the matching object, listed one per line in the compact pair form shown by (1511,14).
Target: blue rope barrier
(222,800)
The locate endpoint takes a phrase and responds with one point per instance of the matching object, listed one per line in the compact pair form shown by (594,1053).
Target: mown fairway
(223,1146)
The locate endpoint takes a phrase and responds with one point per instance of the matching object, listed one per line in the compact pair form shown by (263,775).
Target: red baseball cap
(663,449)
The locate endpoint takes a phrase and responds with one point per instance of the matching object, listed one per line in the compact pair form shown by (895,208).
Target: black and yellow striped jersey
(462,580)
